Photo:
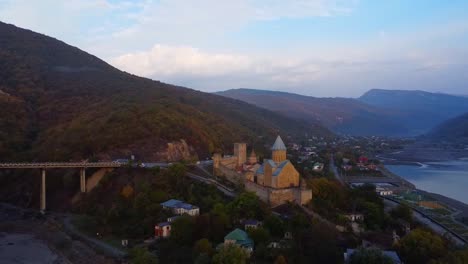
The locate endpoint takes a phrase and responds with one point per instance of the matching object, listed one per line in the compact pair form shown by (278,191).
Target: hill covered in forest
(377,112)
(420,111)
(452,130)
(59,103)
(343,115)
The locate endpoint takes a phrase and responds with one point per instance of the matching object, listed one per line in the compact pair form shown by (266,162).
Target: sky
(324,48)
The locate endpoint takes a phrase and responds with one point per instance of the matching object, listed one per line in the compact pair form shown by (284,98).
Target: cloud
(343,75)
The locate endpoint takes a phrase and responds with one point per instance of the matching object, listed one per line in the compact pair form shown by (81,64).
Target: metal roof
(279,144)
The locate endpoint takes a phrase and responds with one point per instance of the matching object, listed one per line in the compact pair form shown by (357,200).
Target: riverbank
(27,234)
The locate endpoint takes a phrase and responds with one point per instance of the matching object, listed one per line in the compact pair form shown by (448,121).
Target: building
(162,230)
(355,217)
(391,254)
(318,167)
(276,181)
(252,223)
(180,208)
(240,238)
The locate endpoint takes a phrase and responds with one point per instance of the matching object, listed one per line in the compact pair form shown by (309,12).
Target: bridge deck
(52,165)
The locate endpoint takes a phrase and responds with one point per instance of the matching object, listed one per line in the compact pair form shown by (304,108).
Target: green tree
(402,211)
(369,256)
(246,205)
(182,230)
(142,256)
(230,254)
(275,225)
(203,246)
(456,257)
(374,215)
(259,235)
(420,246)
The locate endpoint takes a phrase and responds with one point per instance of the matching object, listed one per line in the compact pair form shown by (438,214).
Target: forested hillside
(419,111)
(60,103)
(343,115)
(453,130)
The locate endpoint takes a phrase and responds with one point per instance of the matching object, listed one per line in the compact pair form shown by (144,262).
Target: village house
(252,223)
(162,230)
(390,254)
(318,167)
(239,237)
(179,208)
(353,217)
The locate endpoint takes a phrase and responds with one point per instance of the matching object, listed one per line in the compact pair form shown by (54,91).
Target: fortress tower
(252,157)
(240,151)
(278,150)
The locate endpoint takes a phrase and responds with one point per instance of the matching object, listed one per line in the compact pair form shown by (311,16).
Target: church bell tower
(278,150)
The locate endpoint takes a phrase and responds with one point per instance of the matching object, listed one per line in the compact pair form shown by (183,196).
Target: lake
(449,178)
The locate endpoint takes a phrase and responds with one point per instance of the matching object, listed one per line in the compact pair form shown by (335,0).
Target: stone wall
(280,196)
(230,175)
(261,191)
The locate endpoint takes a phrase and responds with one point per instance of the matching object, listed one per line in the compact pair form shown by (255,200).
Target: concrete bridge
(43,166)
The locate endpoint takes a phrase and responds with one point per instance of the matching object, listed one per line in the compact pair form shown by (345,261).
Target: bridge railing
(45,165)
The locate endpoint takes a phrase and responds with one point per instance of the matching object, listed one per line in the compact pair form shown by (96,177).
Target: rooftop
(173,203)
(279,144)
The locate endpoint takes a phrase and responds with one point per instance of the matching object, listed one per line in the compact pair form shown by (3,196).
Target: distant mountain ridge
(59,103)
(419,110)
(343,115)
(377,112)
(453,130)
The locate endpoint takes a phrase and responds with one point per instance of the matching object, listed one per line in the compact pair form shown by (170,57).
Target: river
(449,178)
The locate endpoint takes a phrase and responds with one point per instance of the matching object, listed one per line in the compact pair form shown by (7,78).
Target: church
(276,181)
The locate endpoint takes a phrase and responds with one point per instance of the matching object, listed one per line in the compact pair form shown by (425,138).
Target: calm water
(449,178)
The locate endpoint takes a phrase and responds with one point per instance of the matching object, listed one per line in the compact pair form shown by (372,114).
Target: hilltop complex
(276,181)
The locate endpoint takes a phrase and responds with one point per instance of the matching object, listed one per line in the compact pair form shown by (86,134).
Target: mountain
(61,103)
(343,115)
(452,130)
(419,111)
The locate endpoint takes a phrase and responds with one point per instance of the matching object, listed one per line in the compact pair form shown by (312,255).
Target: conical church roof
(279,144)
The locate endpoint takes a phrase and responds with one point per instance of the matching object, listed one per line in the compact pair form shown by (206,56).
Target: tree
(230,254)
(127,191)
(142,256)
(456,257)
(420,246)
(259,235)
(374,215)
(402,211)
(182,230)
(281,260)
(275,225)
(203,246)
(369,256)
(246,205)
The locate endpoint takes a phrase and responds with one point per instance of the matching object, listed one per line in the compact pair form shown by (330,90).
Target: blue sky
(312,47)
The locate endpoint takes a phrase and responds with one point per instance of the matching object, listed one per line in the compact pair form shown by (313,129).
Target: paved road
(227,191)
(334,169)
(389,204)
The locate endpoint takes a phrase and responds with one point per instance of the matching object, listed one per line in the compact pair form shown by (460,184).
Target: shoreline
(451,202)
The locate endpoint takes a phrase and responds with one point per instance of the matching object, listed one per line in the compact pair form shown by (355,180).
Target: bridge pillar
(82,180)
(43,190)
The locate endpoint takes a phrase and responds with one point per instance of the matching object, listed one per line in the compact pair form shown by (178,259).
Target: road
(227,191)
(437,228)
(334,169)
